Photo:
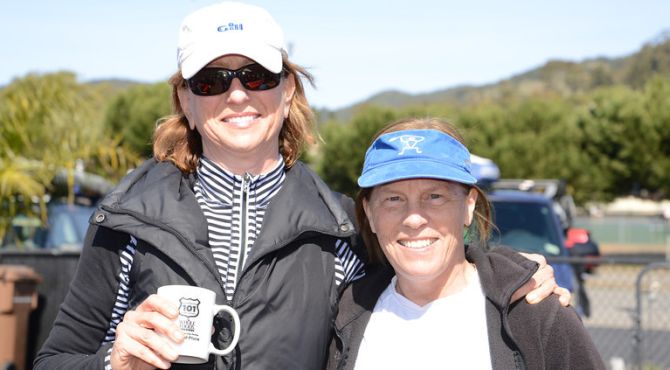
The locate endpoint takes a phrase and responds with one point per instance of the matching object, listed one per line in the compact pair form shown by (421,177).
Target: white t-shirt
(448,333)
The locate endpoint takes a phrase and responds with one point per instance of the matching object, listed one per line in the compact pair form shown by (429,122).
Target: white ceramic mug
(197,309)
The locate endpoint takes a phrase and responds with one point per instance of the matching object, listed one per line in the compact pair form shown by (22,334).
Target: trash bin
(18,297)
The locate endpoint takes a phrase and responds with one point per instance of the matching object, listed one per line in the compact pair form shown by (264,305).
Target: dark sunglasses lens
(215,81)
(210,81)
(254,77)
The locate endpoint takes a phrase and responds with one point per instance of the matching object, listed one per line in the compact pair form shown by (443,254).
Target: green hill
(560,77)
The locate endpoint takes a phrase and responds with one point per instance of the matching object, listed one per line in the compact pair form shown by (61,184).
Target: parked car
(536,215)
(527,222)
(65,228)
(66,223)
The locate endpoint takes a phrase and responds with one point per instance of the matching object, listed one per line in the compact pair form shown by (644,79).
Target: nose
(415,217)
(237,93)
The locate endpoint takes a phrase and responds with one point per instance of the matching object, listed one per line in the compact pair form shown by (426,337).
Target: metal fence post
(638,353)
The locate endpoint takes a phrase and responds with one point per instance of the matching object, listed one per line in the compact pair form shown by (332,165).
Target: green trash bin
(18,297)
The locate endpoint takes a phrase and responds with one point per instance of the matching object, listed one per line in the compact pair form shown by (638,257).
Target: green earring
(466,234)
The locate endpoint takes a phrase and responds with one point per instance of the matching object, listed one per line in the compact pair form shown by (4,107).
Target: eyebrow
(448,190)
(387,189)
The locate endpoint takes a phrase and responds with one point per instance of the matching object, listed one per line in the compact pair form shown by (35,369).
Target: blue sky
(354,48)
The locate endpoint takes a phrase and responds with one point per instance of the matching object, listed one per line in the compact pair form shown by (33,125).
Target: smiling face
(239,128)
(419,225)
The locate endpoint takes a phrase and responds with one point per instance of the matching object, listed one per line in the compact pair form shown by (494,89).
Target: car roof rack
(550,188)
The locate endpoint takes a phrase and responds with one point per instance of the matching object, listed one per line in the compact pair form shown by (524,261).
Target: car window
(63,231)
(525,226)
(24,232)
(68,225)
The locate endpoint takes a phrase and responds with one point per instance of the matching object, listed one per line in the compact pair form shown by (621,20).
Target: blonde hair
(479,229)
(174,141)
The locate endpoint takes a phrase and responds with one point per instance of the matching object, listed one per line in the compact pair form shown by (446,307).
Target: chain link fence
(652,337)
(629,320)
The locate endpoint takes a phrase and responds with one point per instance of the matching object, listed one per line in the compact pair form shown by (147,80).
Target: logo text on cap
(409,142)
(230,27)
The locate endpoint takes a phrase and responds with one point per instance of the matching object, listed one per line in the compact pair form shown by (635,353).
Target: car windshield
(529,227)
(68,225)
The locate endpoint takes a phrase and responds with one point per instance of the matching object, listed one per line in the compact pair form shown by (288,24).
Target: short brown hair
(174,141)
(479,230)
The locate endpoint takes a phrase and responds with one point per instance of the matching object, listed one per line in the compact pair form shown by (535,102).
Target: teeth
(240,120)
(417,243)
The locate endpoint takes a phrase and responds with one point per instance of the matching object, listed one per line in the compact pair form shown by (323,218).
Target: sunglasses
(215,81)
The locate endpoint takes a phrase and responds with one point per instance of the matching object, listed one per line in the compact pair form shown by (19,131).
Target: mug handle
(236,335)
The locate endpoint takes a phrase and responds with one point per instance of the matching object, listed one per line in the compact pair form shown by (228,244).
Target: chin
(418,272)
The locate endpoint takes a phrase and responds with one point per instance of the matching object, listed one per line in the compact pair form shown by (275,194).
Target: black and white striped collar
(219,184)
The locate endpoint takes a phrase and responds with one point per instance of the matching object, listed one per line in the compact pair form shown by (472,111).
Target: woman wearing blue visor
(433,301)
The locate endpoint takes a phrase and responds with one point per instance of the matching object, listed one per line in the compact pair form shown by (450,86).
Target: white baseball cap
(229,28)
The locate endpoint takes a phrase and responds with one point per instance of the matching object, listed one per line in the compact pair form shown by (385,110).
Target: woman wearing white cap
(224,205)
(434,302)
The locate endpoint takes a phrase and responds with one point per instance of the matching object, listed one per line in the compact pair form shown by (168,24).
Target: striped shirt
(234,206)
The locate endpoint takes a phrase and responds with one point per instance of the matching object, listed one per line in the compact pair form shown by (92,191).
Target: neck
(239,164)
(426,291)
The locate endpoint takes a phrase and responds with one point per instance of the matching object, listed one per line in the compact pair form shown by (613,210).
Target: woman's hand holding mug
(174,325)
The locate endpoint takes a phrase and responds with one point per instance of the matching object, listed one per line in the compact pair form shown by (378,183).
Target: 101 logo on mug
(188,307)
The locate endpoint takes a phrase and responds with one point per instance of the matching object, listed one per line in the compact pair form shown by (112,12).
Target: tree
(343,151)
(133,115)
(21,184)
(656,97)
(616,140)
(49,123)
(652,60)
(527,138)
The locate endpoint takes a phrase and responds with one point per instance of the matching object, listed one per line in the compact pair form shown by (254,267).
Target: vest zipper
(244,224)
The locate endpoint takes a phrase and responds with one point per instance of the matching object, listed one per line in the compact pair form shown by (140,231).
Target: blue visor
(411,154)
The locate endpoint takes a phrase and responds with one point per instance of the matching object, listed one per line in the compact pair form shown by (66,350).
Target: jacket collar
(360,298)
(217,184)
(500,278)
(304,205)
(158,194)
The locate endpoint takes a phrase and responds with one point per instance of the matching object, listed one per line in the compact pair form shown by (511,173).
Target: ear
(368,215)
(185,103)
(289,90)
(470,203)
